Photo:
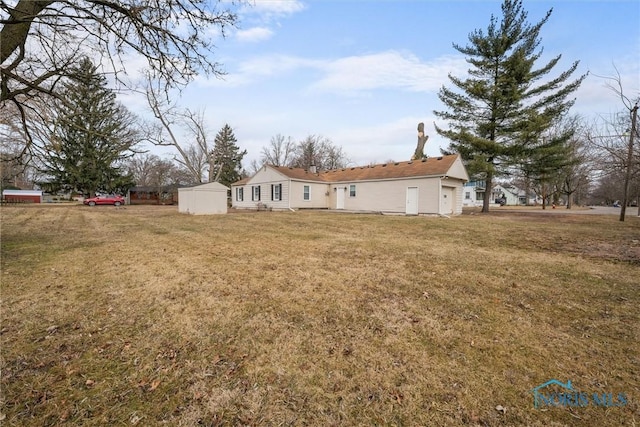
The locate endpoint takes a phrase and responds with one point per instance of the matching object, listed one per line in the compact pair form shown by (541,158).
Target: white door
(412,201)
(447,201)
(340,198)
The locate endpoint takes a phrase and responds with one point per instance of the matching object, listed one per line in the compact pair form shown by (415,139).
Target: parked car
(501,201)
(104,200)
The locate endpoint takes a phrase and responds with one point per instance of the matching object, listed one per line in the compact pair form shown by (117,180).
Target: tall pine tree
(497,115)
(226,164)
(91,136)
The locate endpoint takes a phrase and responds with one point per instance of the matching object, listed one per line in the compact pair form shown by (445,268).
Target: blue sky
(364,73)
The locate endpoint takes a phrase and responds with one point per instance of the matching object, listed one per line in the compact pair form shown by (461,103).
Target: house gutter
(440,195)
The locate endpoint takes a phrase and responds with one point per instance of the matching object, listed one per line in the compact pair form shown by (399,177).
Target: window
(240,194)
(479,195)
(467,195)
(352,190)
(307,193)
(276,192)
(255,195)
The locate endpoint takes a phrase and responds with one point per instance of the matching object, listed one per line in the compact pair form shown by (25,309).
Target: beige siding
(264,178)
(265,196)
(206,199)
(266,175)
(317,192)
(245,203)
(457,170)
(388,196)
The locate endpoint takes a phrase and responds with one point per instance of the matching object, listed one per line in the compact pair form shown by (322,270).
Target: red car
(104,200)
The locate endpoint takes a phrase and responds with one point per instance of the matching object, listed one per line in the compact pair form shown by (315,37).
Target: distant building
(473,193)
(167,195)
(22,196)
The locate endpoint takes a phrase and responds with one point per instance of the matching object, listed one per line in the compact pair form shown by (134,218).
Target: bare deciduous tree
(576,175)
(41,40)
(618,139)
(149,170)
(320,152)
(279,152)
(195,155)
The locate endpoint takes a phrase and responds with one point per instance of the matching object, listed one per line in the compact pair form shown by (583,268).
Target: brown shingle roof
(432,166)
(242,181)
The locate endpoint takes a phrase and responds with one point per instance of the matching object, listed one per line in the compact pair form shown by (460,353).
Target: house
(473,193)
(22,196)
(205,199)
(513,195)
(141,195)
(428,186)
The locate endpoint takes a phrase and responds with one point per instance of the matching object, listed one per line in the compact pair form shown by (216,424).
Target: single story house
(205,199)
(22,196)
(428,186)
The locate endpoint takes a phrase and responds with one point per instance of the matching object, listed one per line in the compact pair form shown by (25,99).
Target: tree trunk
(627,175)
(488,184)
(14,33)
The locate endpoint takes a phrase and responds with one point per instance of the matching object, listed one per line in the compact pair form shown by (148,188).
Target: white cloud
(273,65)
(255,34)
(271,8)
(388,70)
(352,75)
(260,68)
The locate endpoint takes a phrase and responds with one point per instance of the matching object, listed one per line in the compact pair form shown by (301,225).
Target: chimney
(313,168)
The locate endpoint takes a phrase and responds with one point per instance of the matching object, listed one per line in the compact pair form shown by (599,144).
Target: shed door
(412,201)
(340,197)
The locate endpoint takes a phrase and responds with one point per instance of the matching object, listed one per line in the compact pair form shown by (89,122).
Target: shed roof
(22,192)
(209,186)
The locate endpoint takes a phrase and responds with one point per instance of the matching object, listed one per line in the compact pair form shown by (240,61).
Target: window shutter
(272,191)
(280,191)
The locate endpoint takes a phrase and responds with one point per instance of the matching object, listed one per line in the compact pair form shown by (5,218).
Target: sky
(364,73)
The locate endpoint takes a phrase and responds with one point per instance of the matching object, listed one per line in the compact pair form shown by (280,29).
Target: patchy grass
(139,315)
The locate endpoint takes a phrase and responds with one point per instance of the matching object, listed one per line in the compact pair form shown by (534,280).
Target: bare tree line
(314,150)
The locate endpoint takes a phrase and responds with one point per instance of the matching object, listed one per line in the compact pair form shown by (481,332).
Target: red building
(22,196)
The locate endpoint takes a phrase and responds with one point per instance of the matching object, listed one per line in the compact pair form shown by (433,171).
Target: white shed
(205,199)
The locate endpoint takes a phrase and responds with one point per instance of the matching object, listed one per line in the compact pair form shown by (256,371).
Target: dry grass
(144,316)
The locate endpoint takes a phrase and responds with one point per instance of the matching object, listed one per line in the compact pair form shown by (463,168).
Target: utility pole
(627,176)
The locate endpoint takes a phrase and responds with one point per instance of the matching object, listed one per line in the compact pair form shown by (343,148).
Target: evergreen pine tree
(498,114)
(227,158)
(92,135)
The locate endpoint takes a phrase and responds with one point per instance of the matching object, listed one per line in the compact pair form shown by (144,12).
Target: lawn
(142,316)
